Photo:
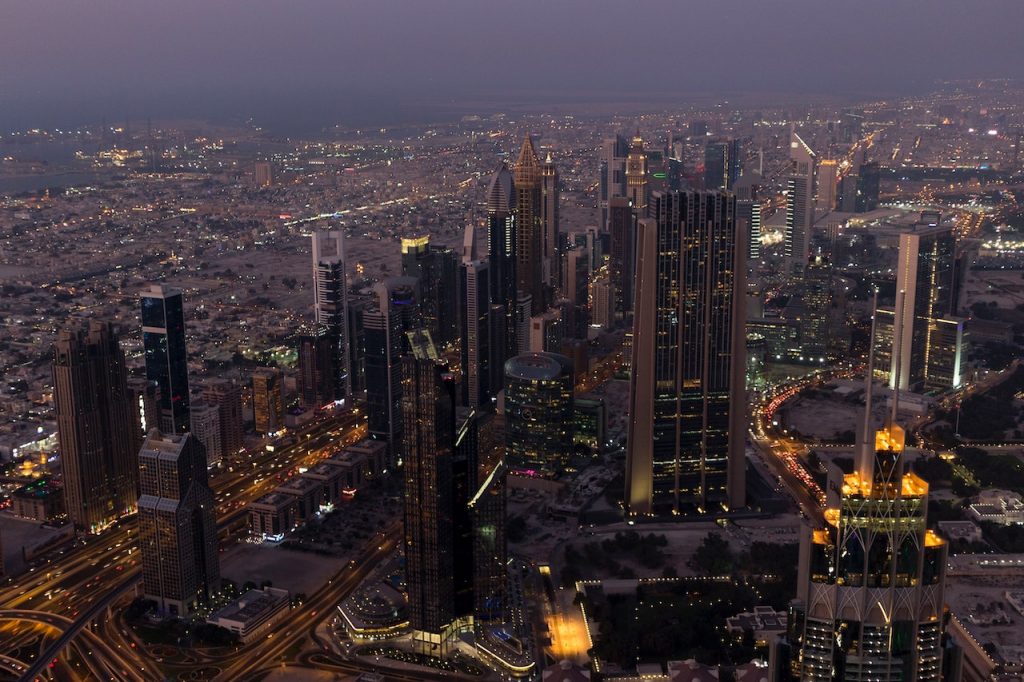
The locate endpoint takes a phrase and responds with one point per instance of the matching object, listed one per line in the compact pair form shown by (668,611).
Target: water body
(37,183)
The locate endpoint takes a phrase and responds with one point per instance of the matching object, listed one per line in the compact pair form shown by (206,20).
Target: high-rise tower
(688,419)
(550,193)
(177,526)
(612,172)
(538,412)
(636,175)
(799,203)
(330,297)
(96,426)
(163,338)
(501,257)
(622,230)
(529,225)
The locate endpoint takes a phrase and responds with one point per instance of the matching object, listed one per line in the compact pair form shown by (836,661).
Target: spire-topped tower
(529,227)
(636,175)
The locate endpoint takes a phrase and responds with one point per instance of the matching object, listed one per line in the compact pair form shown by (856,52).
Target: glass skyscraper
(538,412)
(163,338)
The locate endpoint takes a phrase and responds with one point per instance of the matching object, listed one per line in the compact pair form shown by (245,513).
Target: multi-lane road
(70,584)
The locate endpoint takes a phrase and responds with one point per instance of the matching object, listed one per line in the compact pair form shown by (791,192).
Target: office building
(527,174)
(163,339)
(482,326)
(590,423)
(602,301)
(385,329)
(538,413)
(501,255)
(96,426)
(177,525)
(205,418)
(868,182)
(612,173)
(267,401)
(546,331)
(622,233)
(145,398)
(263,174)
(722,164)
(550,197)
(687,415)
(435,270)
(799,204)
(317,355)
(330,300)
(227,396)
(828,178)
(636,175)
(816,296)
(924,295)
(428,409)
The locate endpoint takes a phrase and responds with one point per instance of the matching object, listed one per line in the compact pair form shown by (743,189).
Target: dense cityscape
(723,389)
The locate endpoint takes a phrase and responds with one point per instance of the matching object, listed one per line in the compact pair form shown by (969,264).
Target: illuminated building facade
(330,303)
(799,203)
(317,355)
(550,198)
(687,415)
(501,258)
(267,401)
(636,175)
(528,176)
(97,426)
(538,412)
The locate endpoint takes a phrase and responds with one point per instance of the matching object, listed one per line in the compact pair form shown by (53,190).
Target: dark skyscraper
(267,400)
(529,226)
(163,338)
(96,426)
(384,337)
(435,270)
(622,229)
(428,418)
(330,297)
(501,256)
(551,193)
(721,164)
(868,182)
(478,350)
(538,412)
(316,367)
(177,526)
(612,172)
(687,417)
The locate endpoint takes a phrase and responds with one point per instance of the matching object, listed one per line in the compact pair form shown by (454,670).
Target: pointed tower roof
(500,191)
(527,168)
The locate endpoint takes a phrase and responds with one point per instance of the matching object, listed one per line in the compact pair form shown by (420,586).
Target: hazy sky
(69,61)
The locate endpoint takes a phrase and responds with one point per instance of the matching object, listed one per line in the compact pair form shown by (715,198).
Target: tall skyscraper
(924,298)
(538,412)
(330,297)
(227,396)
(529,226)
(384,336)
(96,426)
(163,339)
(316,351)
(428,409)
(828,178)
(177,527)
(145,399)
(636,175)
(501,256)
(688,406)
(612,172)
(267,400)
(722,164)
(478,325)
(550,197)
(622,230)
(435,270)
(868,182)
(816,295)
(799,204)
(206,431)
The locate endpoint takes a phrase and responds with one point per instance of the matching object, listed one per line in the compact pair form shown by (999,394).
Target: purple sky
(67,59)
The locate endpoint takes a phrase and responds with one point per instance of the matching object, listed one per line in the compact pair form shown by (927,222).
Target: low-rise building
(329,478)
(998,506)
(39,500)
(376,453)
(764,623)
(252,614)
(308,494)
(966,531)
(273,515)
(353,469)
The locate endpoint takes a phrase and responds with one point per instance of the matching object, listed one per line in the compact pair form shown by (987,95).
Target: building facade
(163,339)
(538,412)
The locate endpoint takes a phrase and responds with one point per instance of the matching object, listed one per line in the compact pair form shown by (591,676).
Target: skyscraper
(816,295)
(428,418)
(538,412)
(206,431)
(267,400)
(529,225)
(435,270)
(384,330)
(96,426)
(924,296)
(163,339)
(612,172)
(478,325)
(687,419)
(330,298)
(799,204)
(550,195)
(636,175)
(622,230)
(501,256)
(227,396)
(828,178)
(317,355)
(868,181)
(177,527)
(722,164)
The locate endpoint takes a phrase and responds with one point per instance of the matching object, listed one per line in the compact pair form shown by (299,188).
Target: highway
(84,575)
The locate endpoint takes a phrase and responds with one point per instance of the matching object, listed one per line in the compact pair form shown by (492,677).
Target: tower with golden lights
(636,175)
(528,176)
